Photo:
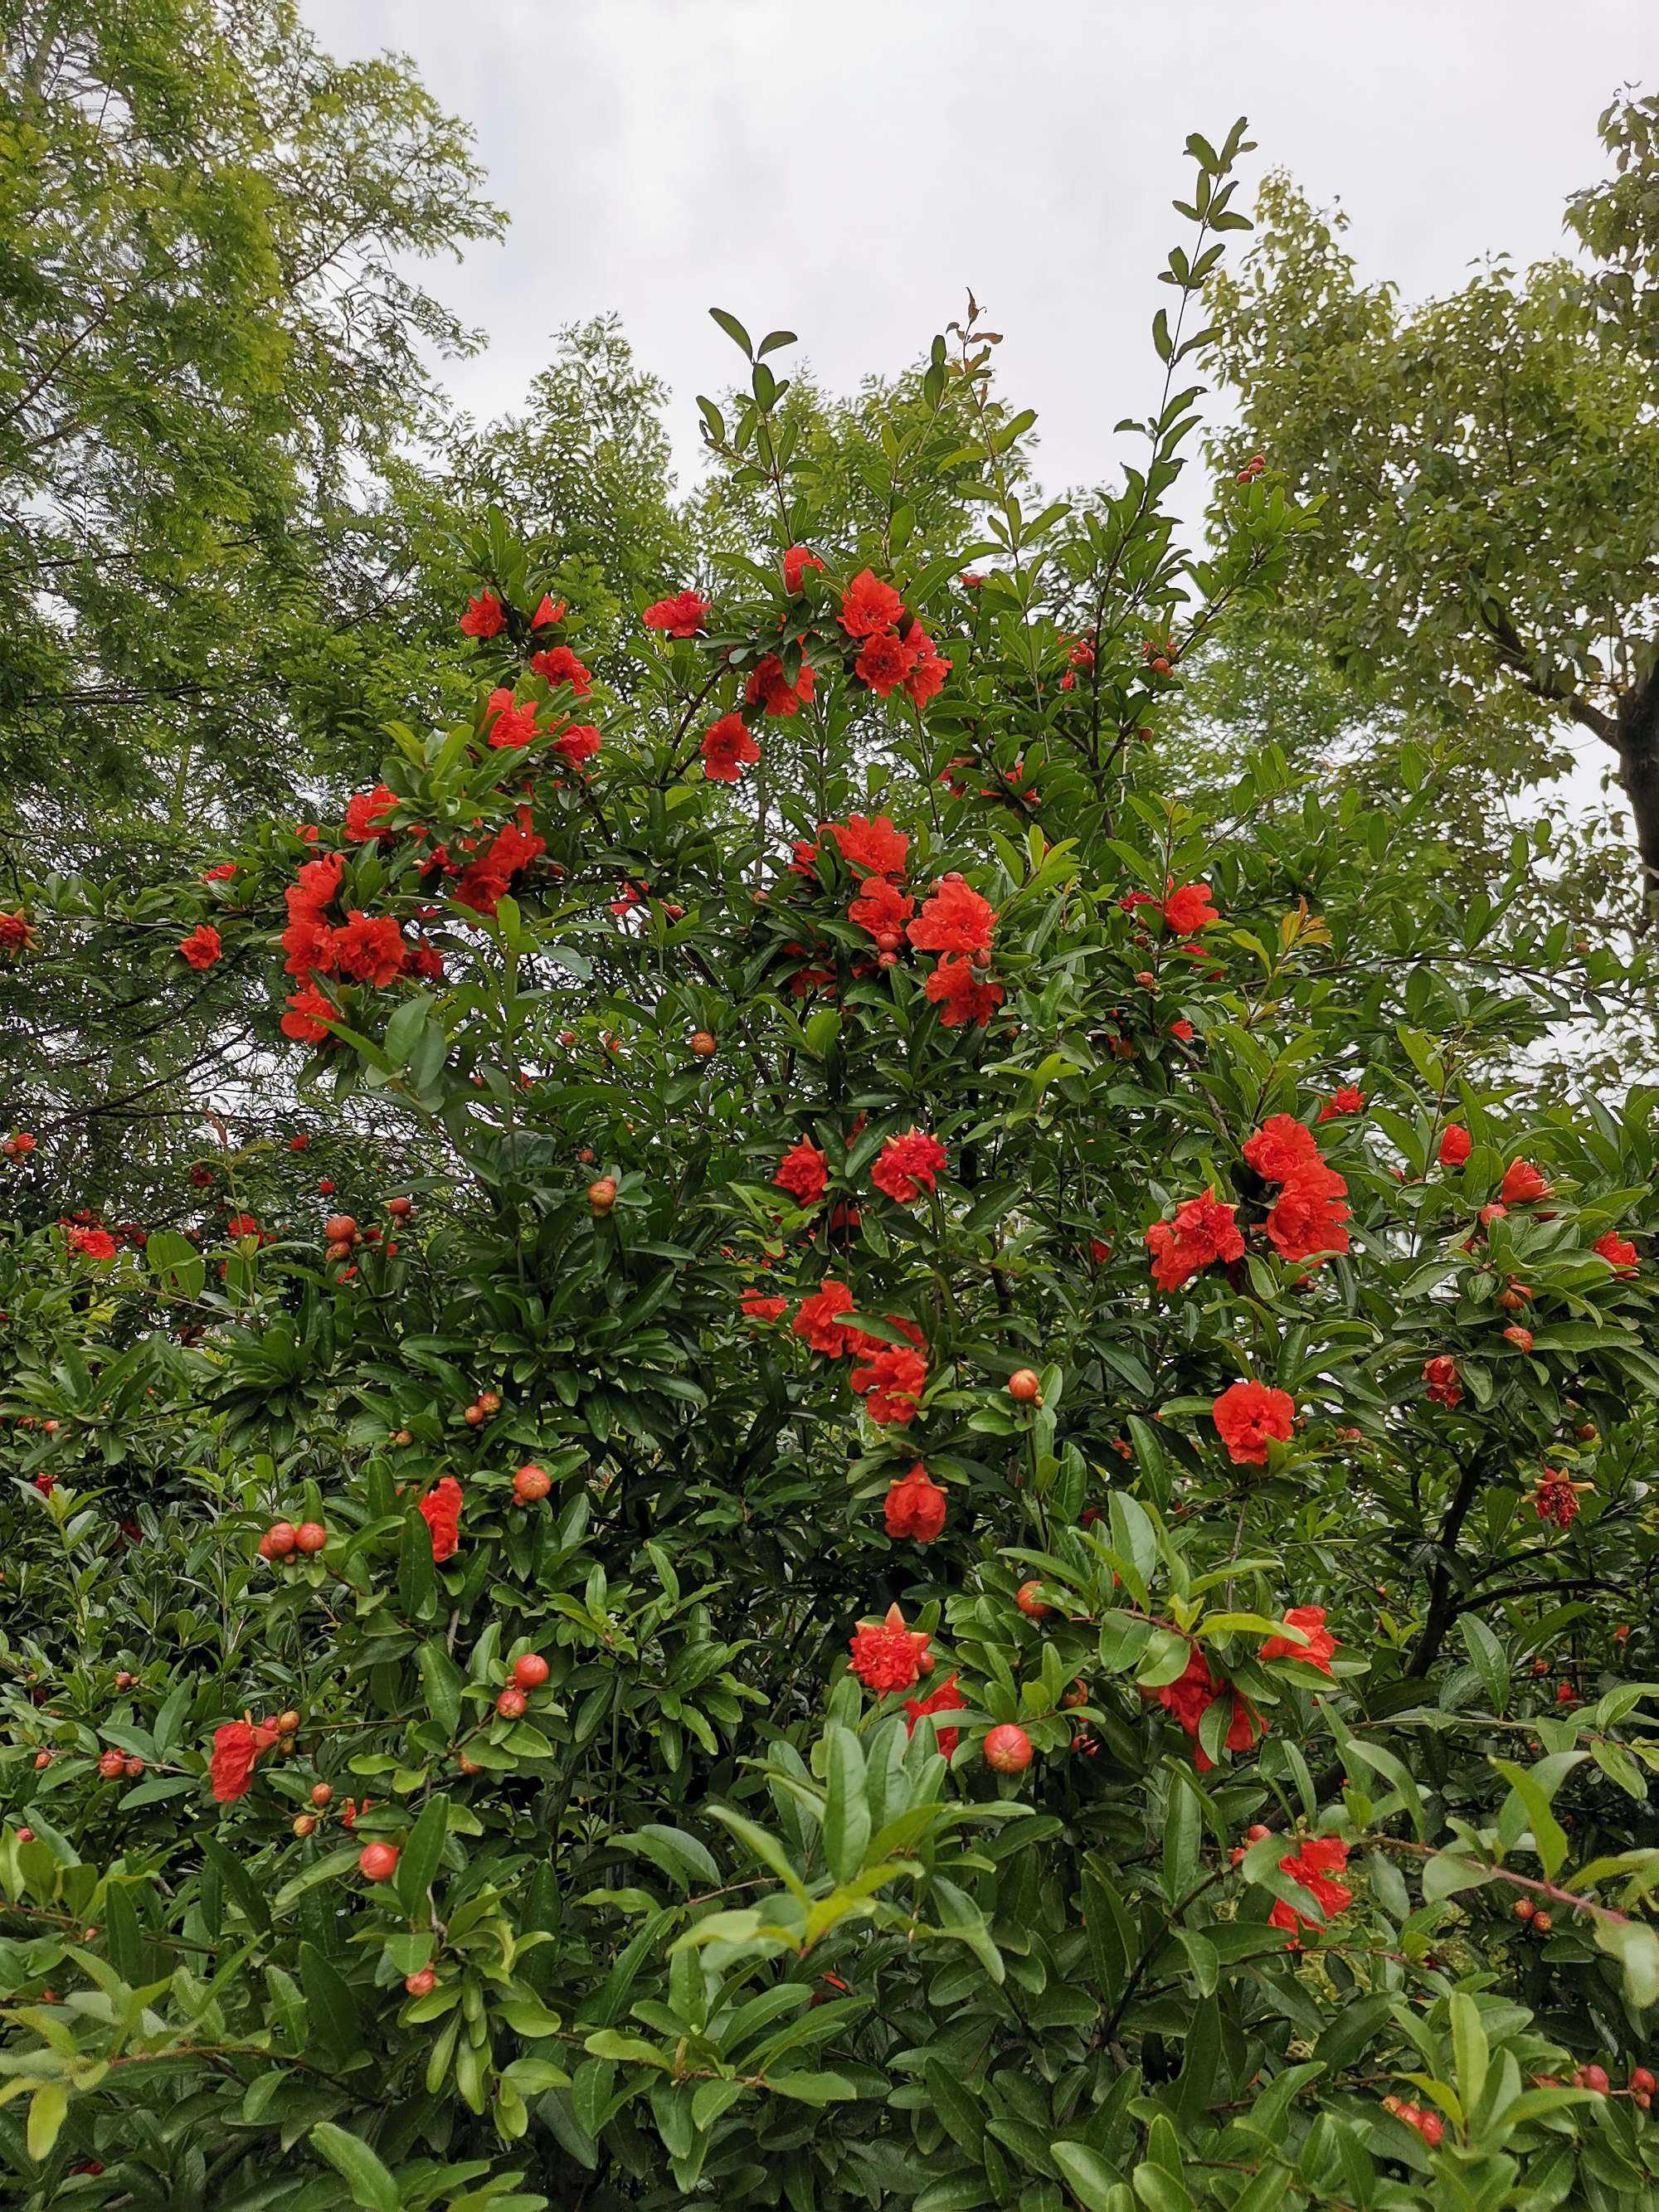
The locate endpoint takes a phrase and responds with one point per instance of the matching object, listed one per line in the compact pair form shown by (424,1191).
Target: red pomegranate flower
(201,947)
(577,742)
(1347,1100)
(235,1747)
(868,606)
(818,1324)
(1280,1146)
(890,1380)
(882,908)
(92,1243)
(370,949)
(679,616)
(886,1655)
(727,749)
(1314,1863)
(485,616)
(907,1165)
(1441,1375)
(440,1510)
(1307,1222)
(1249,1416)
(915,1506)
(1617,1251)
(886,661)
(556,664)
(954,918)
(308,1014)
(803,1172)
(506,722)
(871,846)
(1455,1145)
(1188,910)
(796,562)
(1320,1647)
(928,670)
(1522,1183)
(960,996)
(769,687)
(366,812)
(947,1698)
(1202,1232)
(15,934)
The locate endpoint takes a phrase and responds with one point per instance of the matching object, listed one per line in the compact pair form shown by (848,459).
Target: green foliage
(1485,469)
(713,1917)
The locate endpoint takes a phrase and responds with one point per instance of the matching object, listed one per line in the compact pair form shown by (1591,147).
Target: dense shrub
(910,1488)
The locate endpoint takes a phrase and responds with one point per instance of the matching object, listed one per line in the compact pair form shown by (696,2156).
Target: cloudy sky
(846,170)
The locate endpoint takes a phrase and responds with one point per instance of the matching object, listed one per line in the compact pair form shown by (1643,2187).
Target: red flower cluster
(874,850)
(891,1377)
(803,1172)
(1249,1415)
(1313,1863)
(485,616)
(886,1655)
(796,562)
(1522,1183)
(680,616)
(556,664)
(440,1510)
(1347,1100)
(201,947)
(817,1322)
(727,749)
(1555,1497)
(365,810)
(15,934)
(1188,910)
(907,1165)
(1319,1650)
(769,687)
(870,612)
(235,1747)
(507,722)
(1191,1697)
(1440,1373)
(955,922)
(486,881)
(1308,1221)
(1202,1233)
(947,1698)
(92,1243)
(1455,1145)
(1617,1251)
(915,1506)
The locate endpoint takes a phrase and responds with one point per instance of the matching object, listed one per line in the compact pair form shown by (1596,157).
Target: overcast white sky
(845,168)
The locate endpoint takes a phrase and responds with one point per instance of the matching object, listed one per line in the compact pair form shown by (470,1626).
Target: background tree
(1486,468)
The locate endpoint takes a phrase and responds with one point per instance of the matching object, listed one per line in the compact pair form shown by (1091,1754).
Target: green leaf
(846,1812)
(422,1855)
(1488,1655)
(48,2108)
(734,329)
(328,1867)
(370,2182)
(1088,2177)
(442,1682)
(813,2088)
(336,2025)
(1469,2047)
